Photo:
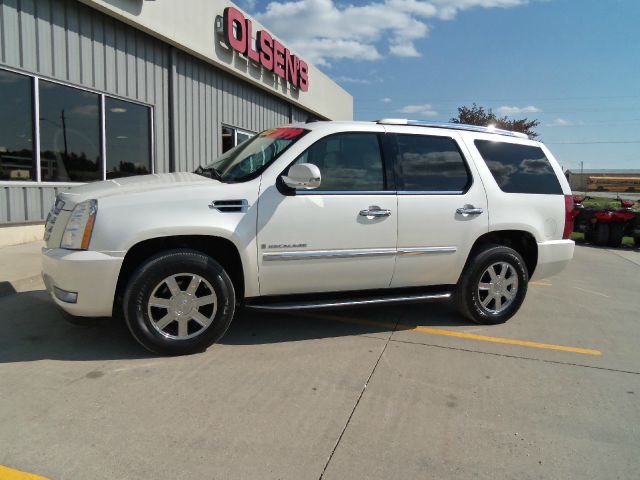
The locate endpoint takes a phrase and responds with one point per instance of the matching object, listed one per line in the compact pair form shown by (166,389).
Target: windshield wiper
(209,172)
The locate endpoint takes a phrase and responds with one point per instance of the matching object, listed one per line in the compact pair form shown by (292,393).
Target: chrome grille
(52,217)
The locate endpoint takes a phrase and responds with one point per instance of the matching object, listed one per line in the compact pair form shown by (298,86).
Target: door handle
(469,210)
(375,211)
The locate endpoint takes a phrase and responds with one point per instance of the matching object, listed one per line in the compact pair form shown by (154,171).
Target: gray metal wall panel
(70,42)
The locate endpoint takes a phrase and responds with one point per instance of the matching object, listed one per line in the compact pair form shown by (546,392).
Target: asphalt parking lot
(393,392)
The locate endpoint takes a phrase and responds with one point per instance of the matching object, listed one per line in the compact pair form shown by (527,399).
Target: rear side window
(430,164)
(519,168)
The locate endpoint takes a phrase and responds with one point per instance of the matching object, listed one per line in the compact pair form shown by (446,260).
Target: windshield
(248,159)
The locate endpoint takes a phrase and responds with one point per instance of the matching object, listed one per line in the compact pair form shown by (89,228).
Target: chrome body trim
(327,254)
(426,250)
(352,303)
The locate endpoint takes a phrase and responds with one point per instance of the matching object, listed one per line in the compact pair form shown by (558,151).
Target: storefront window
(128,145)
(16,127)
(232,137)
(69,134)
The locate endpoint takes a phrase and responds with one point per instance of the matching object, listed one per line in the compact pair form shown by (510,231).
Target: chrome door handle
(469,210)
(375,211)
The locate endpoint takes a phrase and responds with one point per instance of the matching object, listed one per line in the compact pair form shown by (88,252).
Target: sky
(574,65)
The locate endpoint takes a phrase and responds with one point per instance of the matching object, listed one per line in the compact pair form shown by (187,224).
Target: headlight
(77,233)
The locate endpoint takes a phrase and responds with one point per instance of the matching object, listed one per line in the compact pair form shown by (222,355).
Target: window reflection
(16,127)
(127,138)
(69,134)
(430,163)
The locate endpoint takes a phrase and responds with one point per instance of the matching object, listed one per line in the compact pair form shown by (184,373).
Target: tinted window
(69,134)
(127,138)
(16,127)
(431,164)
(519,168)
(347,161)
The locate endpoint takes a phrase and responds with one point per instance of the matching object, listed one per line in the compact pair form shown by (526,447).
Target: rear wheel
(616,232)
(179,302)
(493,285)
(601,234)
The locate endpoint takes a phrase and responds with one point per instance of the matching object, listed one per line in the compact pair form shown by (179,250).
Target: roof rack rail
(452,126)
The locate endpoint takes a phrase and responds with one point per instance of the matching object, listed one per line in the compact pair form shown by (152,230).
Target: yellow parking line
(540,284)
(7,473)
(452,333)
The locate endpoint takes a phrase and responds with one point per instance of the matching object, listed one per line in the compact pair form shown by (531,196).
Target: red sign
(269,52)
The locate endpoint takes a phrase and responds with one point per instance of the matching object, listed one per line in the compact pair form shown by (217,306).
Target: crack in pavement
(353,410)
(519,357)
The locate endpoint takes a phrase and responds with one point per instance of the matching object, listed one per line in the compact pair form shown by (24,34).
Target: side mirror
(303,175)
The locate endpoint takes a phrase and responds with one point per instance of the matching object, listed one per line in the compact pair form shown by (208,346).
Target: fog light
(64,296)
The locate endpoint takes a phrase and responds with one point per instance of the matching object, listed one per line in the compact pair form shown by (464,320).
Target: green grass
(601,203)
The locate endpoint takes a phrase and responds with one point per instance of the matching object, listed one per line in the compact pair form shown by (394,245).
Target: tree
(476,115)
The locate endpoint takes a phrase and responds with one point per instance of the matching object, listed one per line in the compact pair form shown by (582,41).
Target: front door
(341,236)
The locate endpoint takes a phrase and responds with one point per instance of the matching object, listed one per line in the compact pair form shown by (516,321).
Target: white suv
(314,215)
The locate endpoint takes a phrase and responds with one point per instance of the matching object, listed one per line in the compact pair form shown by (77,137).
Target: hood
(129,185)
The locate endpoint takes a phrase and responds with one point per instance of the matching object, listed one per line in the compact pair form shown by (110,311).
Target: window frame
(399,178)
(236,130)
(389,181)
(35,96)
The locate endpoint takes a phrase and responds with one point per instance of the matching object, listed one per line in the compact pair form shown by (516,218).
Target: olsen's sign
(268,51)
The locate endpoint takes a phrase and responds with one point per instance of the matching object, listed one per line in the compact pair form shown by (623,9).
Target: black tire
(179,264)
(616,232)
(636,240)
(601,234)
(468,296)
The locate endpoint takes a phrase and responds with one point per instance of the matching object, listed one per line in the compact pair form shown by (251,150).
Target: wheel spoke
(498,304)
(164,321)
(193,285)
(183,327)
(484,286)
(513,280)
(492,273)
(159,302)
(202,301)
(173,286)
(508,295)
(201,319)
(487,301)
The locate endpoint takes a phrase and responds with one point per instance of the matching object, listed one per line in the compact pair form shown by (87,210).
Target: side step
(346,302)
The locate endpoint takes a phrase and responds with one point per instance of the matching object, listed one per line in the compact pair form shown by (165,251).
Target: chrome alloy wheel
(182,306)
(498,287)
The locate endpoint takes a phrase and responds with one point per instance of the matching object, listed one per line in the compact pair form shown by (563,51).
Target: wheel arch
(521,241)
(223,250)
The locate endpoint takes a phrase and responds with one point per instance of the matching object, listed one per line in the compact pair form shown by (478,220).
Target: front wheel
(616,234)
(493,285)
(601,234)
(179,302)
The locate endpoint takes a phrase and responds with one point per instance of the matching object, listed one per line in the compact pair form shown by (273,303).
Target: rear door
(442,205)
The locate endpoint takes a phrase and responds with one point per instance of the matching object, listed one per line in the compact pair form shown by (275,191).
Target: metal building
(98,89)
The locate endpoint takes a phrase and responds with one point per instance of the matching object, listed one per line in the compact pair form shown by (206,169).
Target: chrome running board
(344,302)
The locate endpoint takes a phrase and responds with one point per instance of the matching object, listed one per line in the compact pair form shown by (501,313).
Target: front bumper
(91,276)
(553,257)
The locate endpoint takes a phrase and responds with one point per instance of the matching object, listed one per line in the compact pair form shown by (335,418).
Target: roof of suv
(419,123)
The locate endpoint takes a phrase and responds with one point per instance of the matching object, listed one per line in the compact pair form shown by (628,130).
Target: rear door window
(430,164)
(519,168)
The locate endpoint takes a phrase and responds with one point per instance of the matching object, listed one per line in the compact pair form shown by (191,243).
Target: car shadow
(34,329)
(253,327)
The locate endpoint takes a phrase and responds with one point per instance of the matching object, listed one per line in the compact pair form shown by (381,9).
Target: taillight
(568,216)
